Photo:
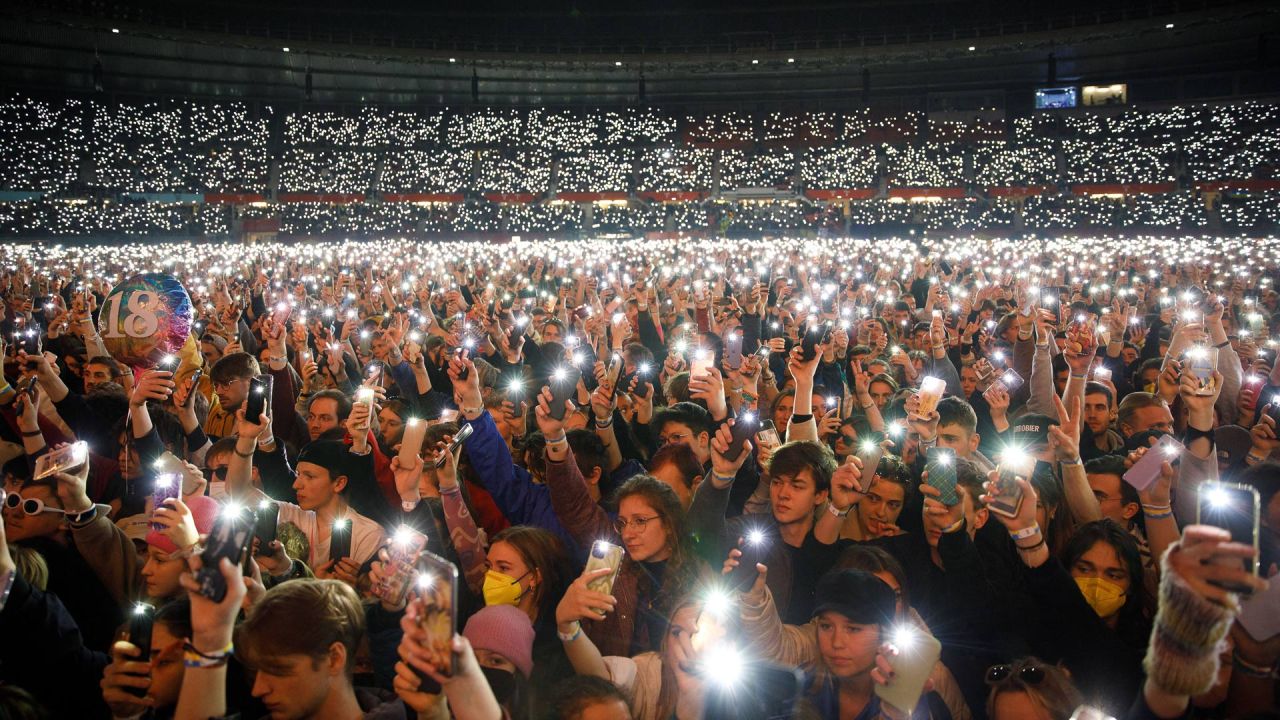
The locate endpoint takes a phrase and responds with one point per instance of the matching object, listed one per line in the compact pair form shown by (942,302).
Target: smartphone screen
(1009,499)
(1011,380)
(768,434)
(918,653)
(459,438)
(1234,508)
(66,459)
(166,485)
(259,397)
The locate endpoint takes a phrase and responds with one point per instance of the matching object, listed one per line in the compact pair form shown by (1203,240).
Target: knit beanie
(1182,657)
(506,630)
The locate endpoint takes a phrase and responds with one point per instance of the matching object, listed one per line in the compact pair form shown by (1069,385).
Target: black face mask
(501,682)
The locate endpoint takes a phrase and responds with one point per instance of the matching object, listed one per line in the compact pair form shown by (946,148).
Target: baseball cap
(857,595)
(1032,429)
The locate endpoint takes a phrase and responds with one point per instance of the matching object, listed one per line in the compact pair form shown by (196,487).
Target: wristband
(33,433)
(1222,344)
(1029,548)
(240,454)
(1083,376)
(1025,533)
(193,658)
(1194,433)
(726,479)
(800,419)
(954,527)
(570,637)
(1157,508)
(602,424)
(831,508)
(1252,459)
(564,438)
(1152,515)
(1249,669)
(1074,461)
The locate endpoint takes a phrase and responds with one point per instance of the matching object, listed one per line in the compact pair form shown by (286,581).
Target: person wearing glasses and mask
(659,566)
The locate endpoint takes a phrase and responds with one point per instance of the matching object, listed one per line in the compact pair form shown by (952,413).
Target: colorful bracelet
(193,658)
(1027,532)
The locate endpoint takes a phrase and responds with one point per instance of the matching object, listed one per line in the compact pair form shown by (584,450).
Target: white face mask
(218,490)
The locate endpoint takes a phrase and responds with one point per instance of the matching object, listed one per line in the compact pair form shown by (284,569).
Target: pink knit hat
(203,510)
(506,630)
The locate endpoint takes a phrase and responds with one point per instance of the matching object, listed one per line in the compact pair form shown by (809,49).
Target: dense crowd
(819,478)
(54,152)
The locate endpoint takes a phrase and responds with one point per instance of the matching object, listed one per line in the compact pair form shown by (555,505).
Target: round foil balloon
(145,318)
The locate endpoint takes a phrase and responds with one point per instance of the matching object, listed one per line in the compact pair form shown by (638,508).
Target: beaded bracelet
(193,658)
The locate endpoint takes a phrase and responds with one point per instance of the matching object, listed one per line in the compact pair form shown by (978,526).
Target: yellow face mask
(1105,597)
(501,589)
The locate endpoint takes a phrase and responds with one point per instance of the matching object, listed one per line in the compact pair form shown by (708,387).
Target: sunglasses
(220,473)
(1029,674)
(30,506)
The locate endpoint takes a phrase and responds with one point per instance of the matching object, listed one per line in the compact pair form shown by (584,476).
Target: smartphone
(229,538)
(733,350)
(703,361)
(767,435)
(613,375)
(1147,469)
(1009,499)
(604,555)
(66,459)
(340,539)
(436,604)
(259,398)
(812,338)
(1102,374)
(754,546)
(743,428)
(366,396)
(1011,380)
(941,467)
(461,354)
(141,621)
(918,653)
(167,485)
(564,386)
(459,437)
(402,559)
(265,521)
(1201,363)
(1236,509)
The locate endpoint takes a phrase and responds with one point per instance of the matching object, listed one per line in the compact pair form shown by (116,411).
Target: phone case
(733,350)
(436,602)
(259,398)
(266,520)
(229,538)
(141,622)
(563,390)
(459,438)
(754,547)
(1237,509)
(911,668)
(768,434)
(402,557)
(604,554)
(1147,469)
(1011,380)
(614,373)
(1009,501)
(167,485)
(64,459)
(340,540)
(743,428)
(942,475)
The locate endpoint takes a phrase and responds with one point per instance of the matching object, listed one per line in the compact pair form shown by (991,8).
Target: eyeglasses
(674,438)
(638,523)
(218,385)
(1029,674)
(30,506)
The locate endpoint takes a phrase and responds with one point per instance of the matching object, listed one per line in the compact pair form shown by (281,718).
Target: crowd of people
(654,479)
(67,166)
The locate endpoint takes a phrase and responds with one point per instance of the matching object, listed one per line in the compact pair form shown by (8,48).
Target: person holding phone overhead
(650,525)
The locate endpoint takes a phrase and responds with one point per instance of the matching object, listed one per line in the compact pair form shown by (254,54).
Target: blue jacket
(523,501)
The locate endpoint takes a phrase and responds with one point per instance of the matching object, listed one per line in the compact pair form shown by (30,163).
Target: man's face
(959,439)
(551,334)
(160,574)
(674,432)
(95,375)
(1106,488)
(881,507)
(1060,379)
(968,380)
(794,497)
(880,393)
(1156,417)
(322,416)
(210,352)
(295,686)
(315,487)
(1097,413)
(381,347)
(669,474)
(18,525)
(1129,355)
(231,393)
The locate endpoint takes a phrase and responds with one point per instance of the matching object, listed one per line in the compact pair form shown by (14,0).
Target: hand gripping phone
(754,547)
(733,350)
(1147,469)
(743,428)
(402,557)
(340,539)
(259,398)
(141,621)
(1009,499)
(459,438)
(65,459)
(435,604)
(941,467)
(564,386)
(918,653)
(265,523)
(167,485)
(604,554)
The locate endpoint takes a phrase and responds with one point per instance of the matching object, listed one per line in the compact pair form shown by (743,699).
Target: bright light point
(232,510)
(285,49)
(560,374)
(904,637)
(643,368)
(424,581)
(717,603)
(140,608)
(340,524)
(972,48)
(1218,497)
(264,505)
(755,537)
(403,535)
(726,663)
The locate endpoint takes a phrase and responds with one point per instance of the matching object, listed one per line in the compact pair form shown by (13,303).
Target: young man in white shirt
(321,485)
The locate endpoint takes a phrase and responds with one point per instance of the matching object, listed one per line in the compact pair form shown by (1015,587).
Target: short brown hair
(301,617)
(797,455)
(236,366)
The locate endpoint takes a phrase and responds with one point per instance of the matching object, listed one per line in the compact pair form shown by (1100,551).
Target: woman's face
(1017,705)
(504,558)
(161,574)
(782,415)
(1104,562)
(648,543)
(847,648)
